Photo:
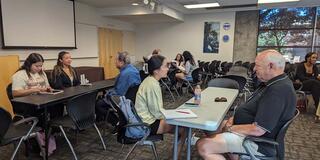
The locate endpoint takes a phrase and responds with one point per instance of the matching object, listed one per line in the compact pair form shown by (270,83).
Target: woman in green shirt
(149,99)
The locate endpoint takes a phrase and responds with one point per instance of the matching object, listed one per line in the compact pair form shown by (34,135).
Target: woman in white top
(189,66)
(30,77)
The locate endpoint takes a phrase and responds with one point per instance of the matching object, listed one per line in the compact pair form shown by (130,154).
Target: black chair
(9,91)
(16,132)
(143,75)
(238,63)
(124,124)
(10,96)
(242,84)
(81,115)
(170,82)
(206,72)
(276,144)
(196,79)
(223,83)
(246,64)
(132,92)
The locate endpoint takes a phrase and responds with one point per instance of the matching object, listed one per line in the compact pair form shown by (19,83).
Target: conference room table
(42,101)
(209,113)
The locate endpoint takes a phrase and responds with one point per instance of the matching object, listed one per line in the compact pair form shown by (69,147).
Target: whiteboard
(38,24)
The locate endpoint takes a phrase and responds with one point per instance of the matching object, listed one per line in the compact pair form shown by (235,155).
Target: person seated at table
(128,77)
(308,75)
(63,74)
(31,79)
(149,101)
(178,62)
(263,115)
(189,65)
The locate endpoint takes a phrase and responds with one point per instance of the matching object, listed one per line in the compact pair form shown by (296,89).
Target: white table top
(210,113)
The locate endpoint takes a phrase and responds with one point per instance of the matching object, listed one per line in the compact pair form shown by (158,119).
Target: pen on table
(183,112)
(189,103)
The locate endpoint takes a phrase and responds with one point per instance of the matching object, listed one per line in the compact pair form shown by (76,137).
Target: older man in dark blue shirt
(128,77)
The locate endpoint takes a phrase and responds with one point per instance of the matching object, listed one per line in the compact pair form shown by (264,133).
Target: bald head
(274,57)
(269,63)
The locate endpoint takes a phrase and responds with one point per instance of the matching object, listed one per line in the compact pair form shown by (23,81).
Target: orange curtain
(10,64)
(110,43)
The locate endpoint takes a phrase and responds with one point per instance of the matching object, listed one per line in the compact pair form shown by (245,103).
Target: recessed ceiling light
(275,1)
(203,5)
(135,4)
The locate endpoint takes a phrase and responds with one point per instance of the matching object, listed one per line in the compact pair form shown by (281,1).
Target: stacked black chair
(206,72)
(276,144)
(238,63)
(16,132)
(246,64)
(81,116)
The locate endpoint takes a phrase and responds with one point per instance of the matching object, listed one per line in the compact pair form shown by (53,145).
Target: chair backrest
(238,63)
(5,121)
(143,75)
(212,66)
(9,91)
(281,134)
(196,77)
(81,109)
(246,64)
(241,80)
(132,92)
(206,66)
(223,83)
(172,76)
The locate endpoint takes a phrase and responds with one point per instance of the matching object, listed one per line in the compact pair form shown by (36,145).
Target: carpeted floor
(302,142)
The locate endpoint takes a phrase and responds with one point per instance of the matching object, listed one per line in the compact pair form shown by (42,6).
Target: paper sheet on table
(178,114)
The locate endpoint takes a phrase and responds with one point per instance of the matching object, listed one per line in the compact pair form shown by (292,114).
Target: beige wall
(173,38)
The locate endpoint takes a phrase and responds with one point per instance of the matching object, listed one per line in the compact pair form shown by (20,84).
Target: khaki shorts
(234,143)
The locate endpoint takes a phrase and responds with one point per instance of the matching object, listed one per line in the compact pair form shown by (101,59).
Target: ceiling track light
(151,4)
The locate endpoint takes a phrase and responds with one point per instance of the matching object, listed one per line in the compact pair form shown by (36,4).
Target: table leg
(189,144)
(175,143)
(46,132)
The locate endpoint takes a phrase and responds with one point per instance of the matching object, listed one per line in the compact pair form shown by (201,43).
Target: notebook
(179,113)
(55,91)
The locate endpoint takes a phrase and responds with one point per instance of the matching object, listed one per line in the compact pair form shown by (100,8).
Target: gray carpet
(302,142)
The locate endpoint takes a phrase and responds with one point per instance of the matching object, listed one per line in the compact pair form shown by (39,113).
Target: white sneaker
(194,140)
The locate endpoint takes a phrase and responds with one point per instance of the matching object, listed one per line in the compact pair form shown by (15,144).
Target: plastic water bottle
(197,94)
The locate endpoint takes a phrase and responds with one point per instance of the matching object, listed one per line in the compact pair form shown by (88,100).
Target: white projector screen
(38,24)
